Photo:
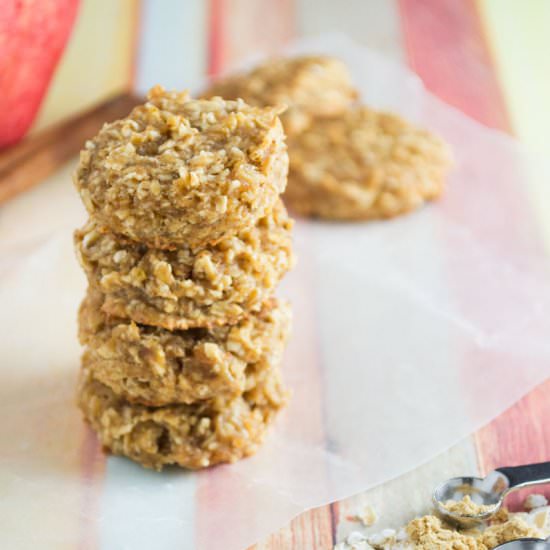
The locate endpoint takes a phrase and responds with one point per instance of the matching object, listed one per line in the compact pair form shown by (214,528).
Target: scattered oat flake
(355,537)
(535,500)
(354,541)
(367,516)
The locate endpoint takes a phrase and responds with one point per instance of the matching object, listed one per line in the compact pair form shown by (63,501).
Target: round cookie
(178,170)
(156,367)
(310,86)
(364,165)
(188,287)
(192,436)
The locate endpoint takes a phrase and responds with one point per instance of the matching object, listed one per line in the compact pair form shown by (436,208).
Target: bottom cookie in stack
(190,397)
(193,436)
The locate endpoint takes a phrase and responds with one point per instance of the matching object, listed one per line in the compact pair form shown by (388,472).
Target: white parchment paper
(408,335)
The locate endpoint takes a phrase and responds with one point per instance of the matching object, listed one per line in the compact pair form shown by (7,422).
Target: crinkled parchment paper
(408,335)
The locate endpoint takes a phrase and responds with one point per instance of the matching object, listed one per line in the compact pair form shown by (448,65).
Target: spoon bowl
(488,492)
(481,491)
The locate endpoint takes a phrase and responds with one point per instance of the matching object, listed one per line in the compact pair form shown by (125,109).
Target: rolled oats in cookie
(364,165)
(182,171)
(192,436)
(188,287)
(310,86)
(154,366)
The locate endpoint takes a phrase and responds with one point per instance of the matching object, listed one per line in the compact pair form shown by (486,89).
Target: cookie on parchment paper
(193,436)
(364,165)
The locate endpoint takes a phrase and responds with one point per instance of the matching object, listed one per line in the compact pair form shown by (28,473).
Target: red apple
(33,34)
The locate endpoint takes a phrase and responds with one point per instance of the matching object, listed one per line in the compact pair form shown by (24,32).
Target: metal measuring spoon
(489,491)
(526,544)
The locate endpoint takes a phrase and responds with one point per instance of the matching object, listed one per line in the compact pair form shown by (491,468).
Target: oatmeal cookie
(364,165)
(310,86)
(155,367)
(182,171)
(188,287)
(192,436)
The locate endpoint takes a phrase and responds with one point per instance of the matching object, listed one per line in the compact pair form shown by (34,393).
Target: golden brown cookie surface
(188,287)
(364,165)
(156,367)
(178,170)
(192,436)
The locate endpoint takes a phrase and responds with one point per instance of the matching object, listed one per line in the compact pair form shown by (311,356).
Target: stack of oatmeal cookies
(347,161)
(186,242)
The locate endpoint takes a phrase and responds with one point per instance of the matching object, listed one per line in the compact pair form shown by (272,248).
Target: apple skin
(33,35)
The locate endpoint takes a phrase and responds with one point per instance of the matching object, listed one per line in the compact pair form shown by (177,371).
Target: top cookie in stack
(179,171)
(186,242)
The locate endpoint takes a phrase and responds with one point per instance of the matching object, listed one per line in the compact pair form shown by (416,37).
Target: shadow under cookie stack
(186,242)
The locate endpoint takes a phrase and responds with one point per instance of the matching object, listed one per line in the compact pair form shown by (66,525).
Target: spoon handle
(524,476)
